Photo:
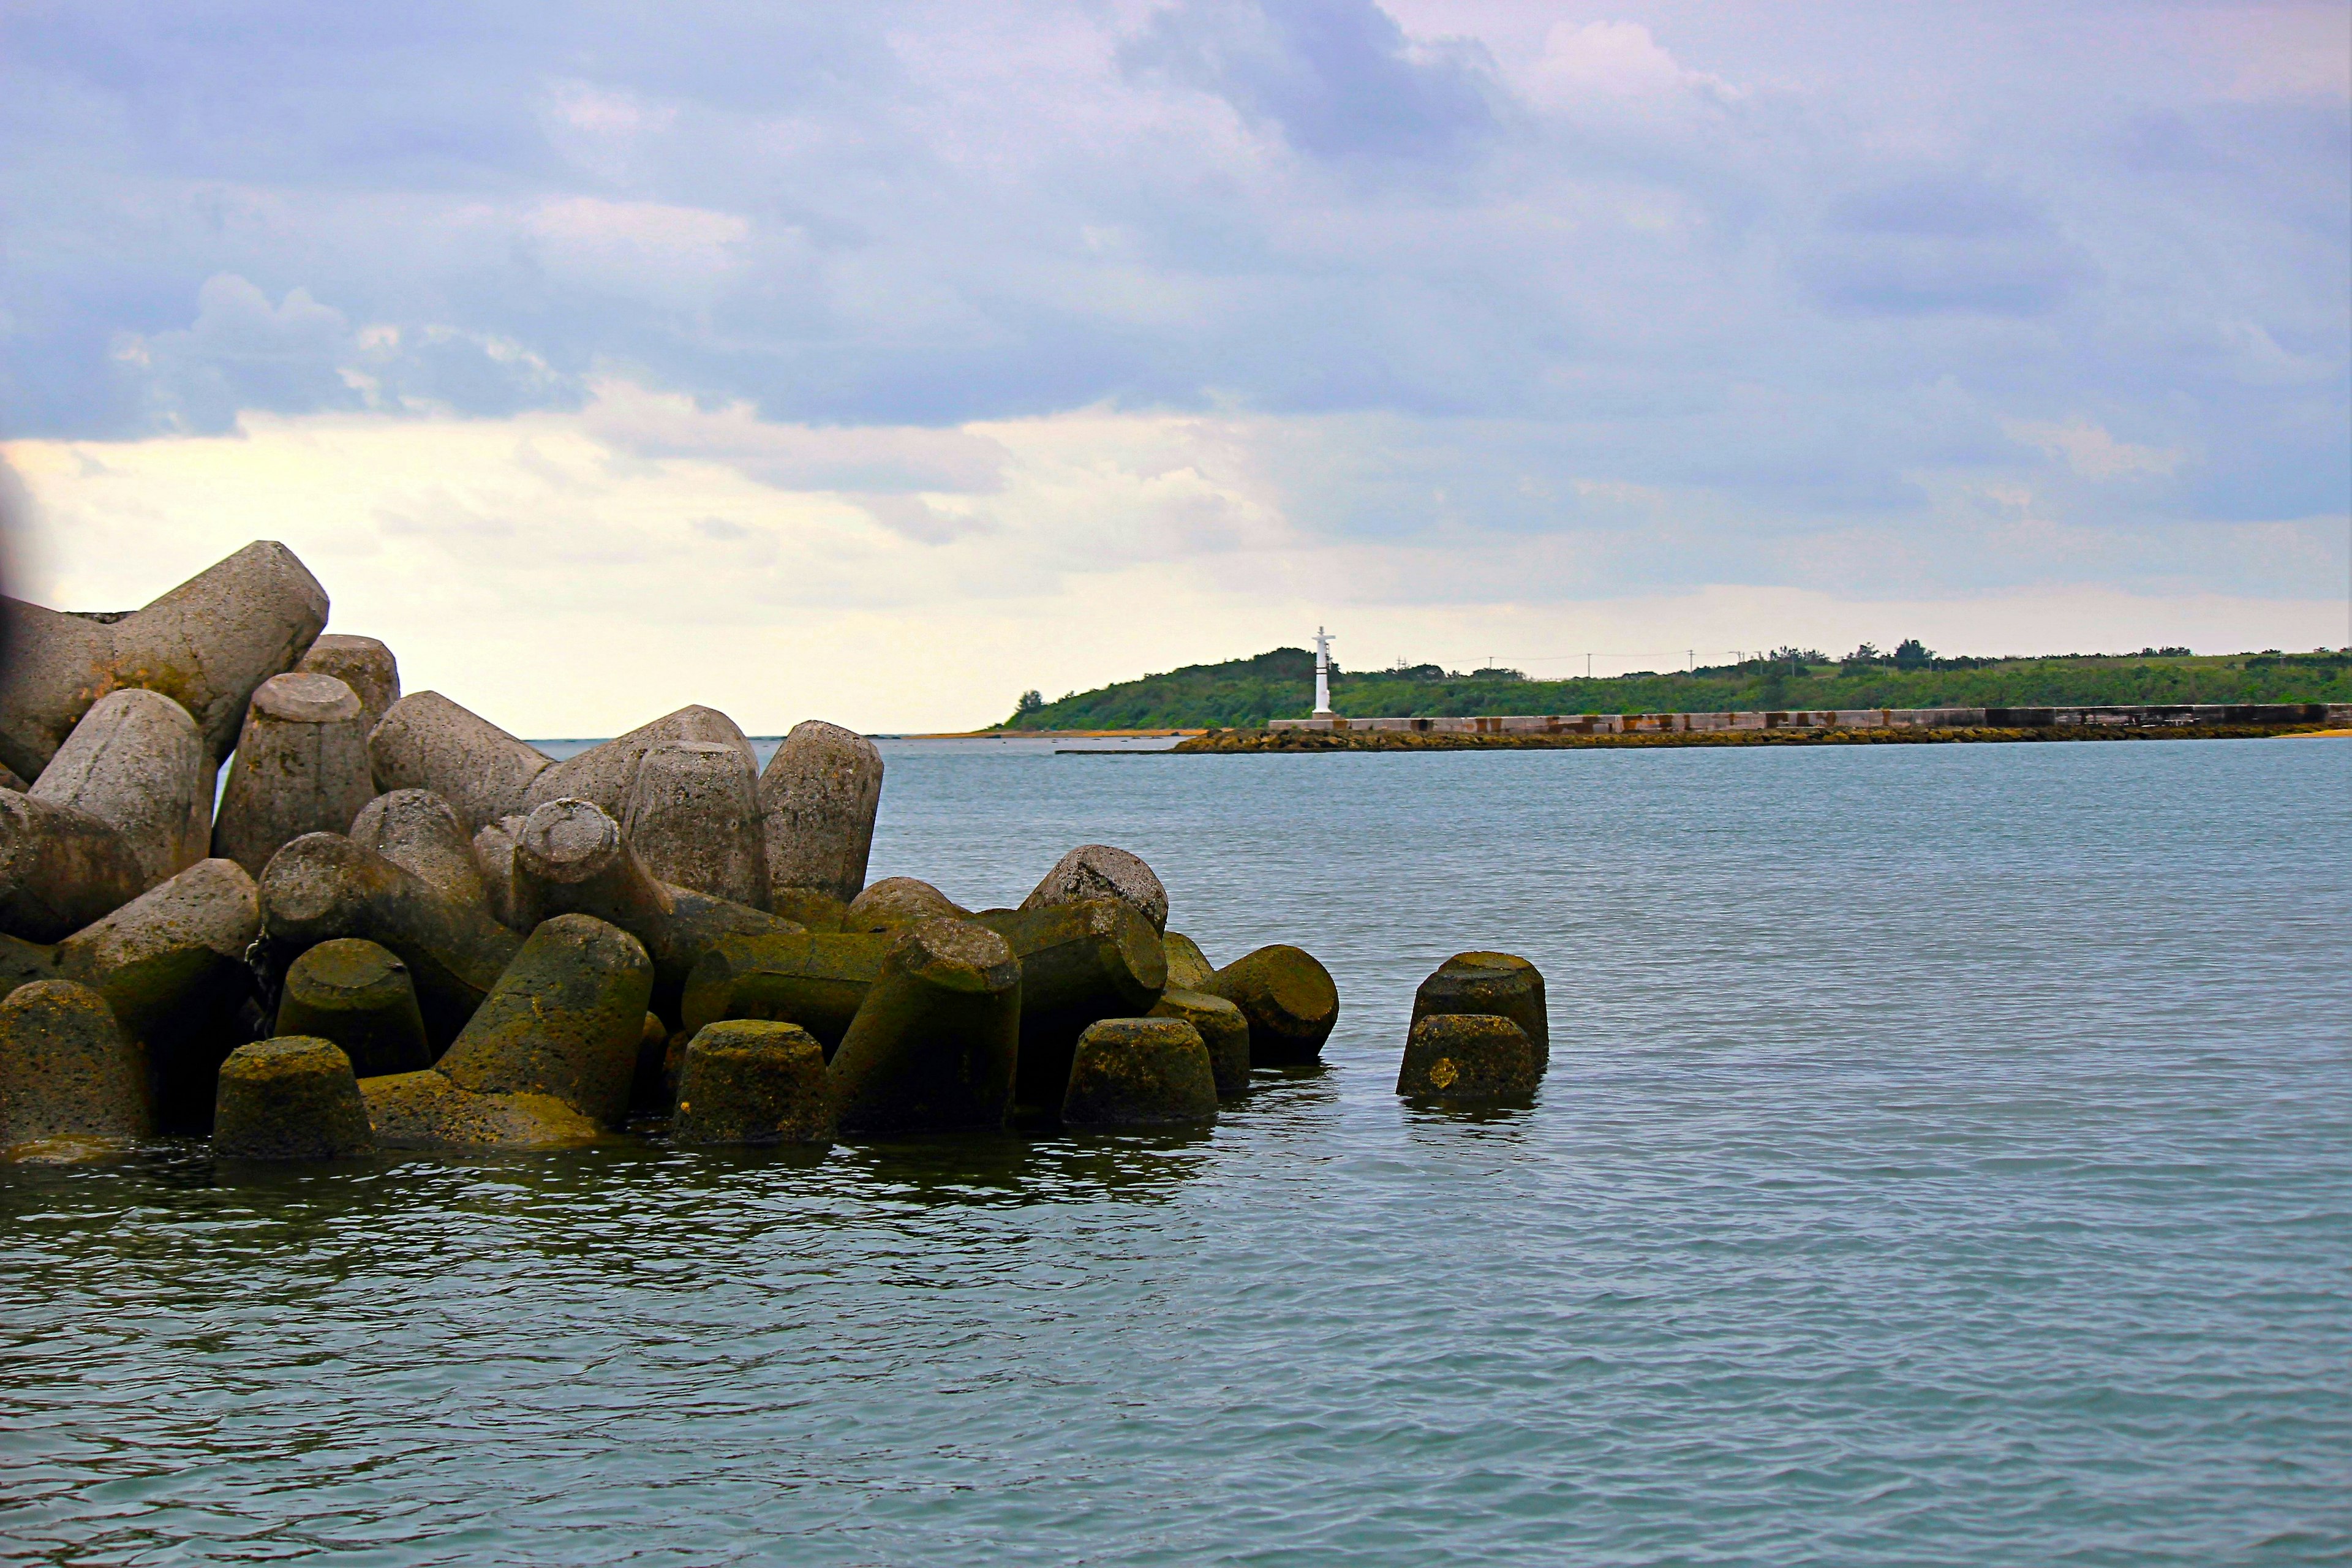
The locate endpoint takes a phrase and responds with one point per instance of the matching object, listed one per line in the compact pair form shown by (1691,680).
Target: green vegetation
(1244,693)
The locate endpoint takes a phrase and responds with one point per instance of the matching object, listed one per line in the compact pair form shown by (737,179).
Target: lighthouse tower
(1322,675)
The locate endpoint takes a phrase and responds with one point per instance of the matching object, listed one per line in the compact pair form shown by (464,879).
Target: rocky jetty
(405,928)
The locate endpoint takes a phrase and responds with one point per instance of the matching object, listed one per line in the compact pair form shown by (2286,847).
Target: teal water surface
(1946,1158)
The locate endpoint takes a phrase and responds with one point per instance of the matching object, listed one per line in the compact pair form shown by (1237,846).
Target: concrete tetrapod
(693,821)
(206,645)
(291,1097)
(1288,999)
(364,665)
(1224,1031)
(323,886)
(426,1110)
(171,963)
(895,903)
(358,995)
(569,855)
(563,1020)
(60,868)
(809,908)
(820,792)
(603,775)
(1099,871)
(932,1050)
(301,766)
(1468,1056)
(1187,965)
(750,1080)
(817,980)
(494,857)
(426,741)
(416,830)
(70,1077)
(1097,959)
(1490,983)
(1133,1073)
(137,763)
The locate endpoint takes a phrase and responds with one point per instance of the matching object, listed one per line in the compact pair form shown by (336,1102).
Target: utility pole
(1588,666)
(1322,674)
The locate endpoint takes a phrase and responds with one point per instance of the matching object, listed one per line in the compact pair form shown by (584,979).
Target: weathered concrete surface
(494,857)
(809,908)
(821,792)
(1100,871)
(571,856)
(603,774)
(817,980)
(565,1020)
(1130,1074)
(1187,965)
(291,1097)
(1289,998)
(933,1049)
(895,904)
(364,665)
(418,831)
(693,820)
(1097,959)
(358,995)
(426,1110)
(1222,1030)
(206,645)
(1492,983)
(1468,1056)
(137,763)
(426,741)
(67,1072)
(60,868)
(748,1080)
(323,886)
(301,766)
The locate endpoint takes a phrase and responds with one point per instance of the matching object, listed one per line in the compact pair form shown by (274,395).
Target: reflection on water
(1944,1159)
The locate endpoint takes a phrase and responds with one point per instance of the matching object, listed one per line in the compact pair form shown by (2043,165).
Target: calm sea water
(1946,1159)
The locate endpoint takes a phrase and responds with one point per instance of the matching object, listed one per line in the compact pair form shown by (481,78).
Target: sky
(876,362)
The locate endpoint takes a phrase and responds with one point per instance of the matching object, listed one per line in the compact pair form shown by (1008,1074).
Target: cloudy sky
(876,362)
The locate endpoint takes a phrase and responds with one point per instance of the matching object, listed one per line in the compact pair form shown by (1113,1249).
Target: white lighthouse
(1322,675)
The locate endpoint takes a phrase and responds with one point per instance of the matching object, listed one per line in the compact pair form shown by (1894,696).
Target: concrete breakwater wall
(2134,716)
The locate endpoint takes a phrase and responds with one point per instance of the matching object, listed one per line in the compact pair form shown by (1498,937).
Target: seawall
(2179,716)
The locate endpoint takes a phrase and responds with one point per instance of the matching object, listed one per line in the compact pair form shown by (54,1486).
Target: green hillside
(1246,692)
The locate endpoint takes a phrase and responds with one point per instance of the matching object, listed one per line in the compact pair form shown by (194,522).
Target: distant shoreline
(1251,742)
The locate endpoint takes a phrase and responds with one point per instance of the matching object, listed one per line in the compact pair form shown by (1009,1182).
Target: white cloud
(1616,60)
(2092,452)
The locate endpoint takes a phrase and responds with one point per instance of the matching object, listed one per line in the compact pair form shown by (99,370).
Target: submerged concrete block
(323,886)
(60,868)
(1289,998)
(1468,1056)
(933,1049)
(301,766)
(364,665)
(571,856)
(1187,965)
(206,645)
(426,1110)
(137,763)
(418,830)
(746,1080)
(565,1020)
(1096,959)
(358,995)
(171,963)
(895,904)
(817,980)
(603,774)
(291,1097)
(426,741)
(1490,983)
(1099,871)
(693,821)
(1224,1031)
(1135,1073)
(67,1072)
(821,791)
